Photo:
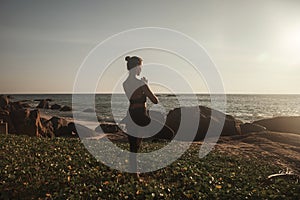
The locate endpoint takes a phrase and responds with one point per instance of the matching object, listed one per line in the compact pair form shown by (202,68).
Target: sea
(113,107)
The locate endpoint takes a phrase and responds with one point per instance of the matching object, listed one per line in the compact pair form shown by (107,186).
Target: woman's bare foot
(138,177)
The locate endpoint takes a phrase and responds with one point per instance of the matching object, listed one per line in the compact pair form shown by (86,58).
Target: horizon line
(154,93)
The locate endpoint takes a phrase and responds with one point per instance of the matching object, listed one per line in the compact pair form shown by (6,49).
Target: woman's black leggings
(141,118)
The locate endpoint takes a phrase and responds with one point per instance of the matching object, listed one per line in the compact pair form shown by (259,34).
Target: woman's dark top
(142,99)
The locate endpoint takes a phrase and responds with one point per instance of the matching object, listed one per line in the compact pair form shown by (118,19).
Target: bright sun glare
(291,45)
(292,39)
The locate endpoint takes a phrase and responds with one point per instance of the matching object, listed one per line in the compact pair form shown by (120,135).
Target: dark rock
(72,127)
(4,101)
(91,110)
(55,107)
(107,128)
(43,104)
(19,119)
(27,122)
(66,108)
(24,100)
(171,95)
(18,105)
(59,127)
(205,119)
(5,116)
(22,120)
(250,127)
(43,120)
(43,99)
(155,130)
(82,131)
(281,124)
(58,122)
(25,105)
(230,126)
(164,131)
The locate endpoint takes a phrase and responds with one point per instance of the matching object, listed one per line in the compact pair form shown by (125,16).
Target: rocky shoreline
(23,119)
(277,138)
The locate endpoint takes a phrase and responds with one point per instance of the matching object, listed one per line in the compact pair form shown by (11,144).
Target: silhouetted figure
(137,91)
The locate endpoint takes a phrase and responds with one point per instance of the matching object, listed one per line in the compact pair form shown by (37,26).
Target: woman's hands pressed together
(145,80)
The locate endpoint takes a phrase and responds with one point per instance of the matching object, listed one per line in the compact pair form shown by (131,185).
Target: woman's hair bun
(127,58)
(133,61)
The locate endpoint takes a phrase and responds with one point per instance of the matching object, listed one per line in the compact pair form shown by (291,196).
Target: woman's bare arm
(149,94)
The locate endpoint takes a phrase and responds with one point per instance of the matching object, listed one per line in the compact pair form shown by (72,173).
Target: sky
(255,45)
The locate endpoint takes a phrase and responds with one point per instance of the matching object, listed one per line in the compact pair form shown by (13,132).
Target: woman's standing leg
(134,145)
(140,118)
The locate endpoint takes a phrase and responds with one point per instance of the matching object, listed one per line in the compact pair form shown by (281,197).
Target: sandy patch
(282,149)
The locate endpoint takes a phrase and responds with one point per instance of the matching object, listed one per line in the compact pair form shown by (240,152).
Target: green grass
(62,168)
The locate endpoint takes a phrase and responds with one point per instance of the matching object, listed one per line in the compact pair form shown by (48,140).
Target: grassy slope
(62,168)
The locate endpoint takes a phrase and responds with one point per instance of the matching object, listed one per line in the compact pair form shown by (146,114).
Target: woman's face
(139,69)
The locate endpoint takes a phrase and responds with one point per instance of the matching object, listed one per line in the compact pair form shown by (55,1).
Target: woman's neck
(132,75)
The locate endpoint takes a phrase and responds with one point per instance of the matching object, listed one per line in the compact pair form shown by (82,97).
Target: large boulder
(56,107)
(43,104)
(60,127)
(18,105)
(81,130)
(281,124)
(66,108)
(157,129)
(57,126)
(22,120)
(107,127)
(250,128)
(19,119)
(5,116)
(27,122)
(231,126)
(57,122)
(24,104)
(4,101)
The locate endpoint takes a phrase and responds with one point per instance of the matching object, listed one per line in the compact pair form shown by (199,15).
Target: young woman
(137,91)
